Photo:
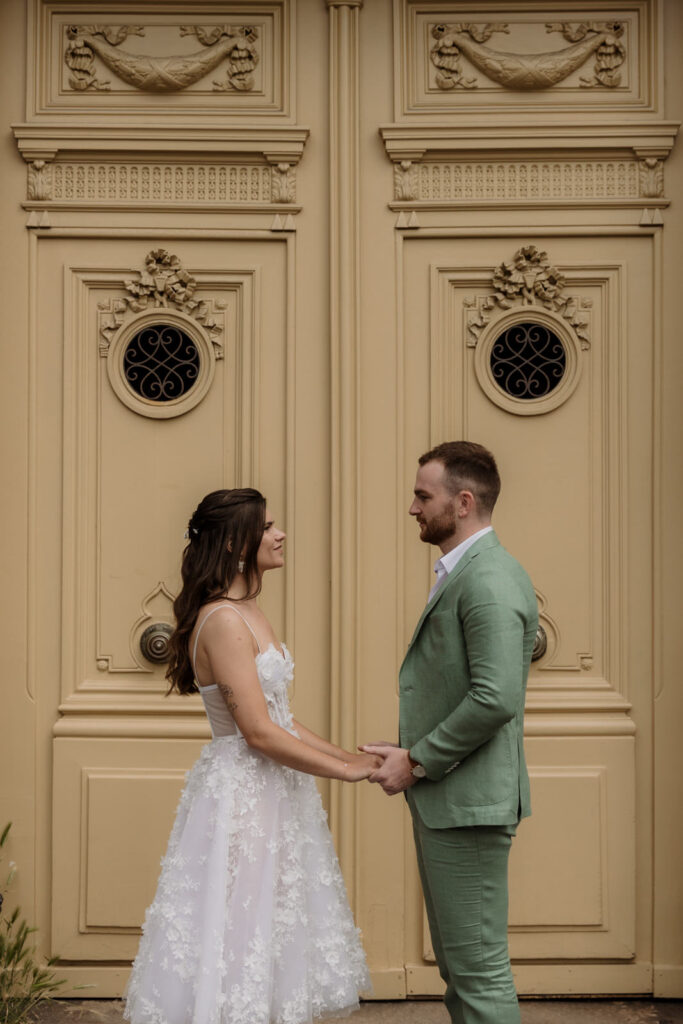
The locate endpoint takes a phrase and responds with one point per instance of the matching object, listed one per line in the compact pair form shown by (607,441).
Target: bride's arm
(313,740)
(229,648)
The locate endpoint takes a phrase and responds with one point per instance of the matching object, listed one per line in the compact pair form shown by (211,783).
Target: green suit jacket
(462,689)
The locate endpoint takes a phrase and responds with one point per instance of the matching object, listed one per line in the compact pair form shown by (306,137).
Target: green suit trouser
(464,878)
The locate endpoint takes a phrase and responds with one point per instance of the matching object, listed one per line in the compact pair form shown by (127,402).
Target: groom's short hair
(469,466)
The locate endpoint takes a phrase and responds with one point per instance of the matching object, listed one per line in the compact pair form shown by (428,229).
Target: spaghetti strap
(201,627)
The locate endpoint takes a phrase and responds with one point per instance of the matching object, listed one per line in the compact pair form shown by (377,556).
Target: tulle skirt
(250,923)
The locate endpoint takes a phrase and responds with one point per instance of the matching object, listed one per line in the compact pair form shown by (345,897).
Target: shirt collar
(447,563)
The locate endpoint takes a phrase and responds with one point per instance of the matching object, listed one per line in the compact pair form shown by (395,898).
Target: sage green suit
(462,690)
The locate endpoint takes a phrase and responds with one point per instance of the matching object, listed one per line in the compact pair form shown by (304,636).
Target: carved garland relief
(524,71)
(235,44)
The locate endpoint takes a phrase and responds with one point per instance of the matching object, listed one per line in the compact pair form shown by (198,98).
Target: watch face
(419,772)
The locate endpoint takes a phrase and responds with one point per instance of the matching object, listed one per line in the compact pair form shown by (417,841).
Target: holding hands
(395,772)
(361,766)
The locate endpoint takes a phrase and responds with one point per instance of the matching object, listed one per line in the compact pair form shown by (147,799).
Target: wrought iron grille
(161,363)
(528,361)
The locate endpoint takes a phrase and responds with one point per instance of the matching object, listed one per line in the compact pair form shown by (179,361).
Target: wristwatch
(418,770)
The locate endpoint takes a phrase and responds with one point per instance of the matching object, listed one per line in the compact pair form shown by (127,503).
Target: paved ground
(542,1011)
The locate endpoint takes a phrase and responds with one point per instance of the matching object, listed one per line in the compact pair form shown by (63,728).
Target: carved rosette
(528,71)
(234,44)
(528,279)
(163,284)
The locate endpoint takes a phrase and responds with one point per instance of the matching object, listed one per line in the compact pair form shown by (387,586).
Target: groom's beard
(440,528)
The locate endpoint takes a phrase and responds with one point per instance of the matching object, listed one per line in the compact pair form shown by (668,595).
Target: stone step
(534,1011)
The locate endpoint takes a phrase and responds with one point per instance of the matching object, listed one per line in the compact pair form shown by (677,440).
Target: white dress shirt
(447,563)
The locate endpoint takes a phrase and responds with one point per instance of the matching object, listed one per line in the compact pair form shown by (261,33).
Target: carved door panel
(537,348)
(168,371)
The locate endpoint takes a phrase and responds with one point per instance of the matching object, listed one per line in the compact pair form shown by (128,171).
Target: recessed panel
(558,869)
(230,58)
(128,819)
(458,58)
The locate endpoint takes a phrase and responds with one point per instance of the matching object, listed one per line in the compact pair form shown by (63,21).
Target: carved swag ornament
(528,71)
(528,279)
(234,43)
(163,284)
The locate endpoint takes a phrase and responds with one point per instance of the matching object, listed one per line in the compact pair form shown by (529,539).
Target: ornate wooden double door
(292,244)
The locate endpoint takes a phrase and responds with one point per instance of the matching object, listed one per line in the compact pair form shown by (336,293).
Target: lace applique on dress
(250,923)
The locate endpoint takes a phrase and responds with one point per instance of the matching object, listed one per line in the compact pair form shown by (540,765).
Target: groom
(461,756)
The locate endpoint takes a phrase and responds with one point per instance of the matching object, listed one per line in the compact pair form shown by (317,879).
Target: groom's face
(433,504)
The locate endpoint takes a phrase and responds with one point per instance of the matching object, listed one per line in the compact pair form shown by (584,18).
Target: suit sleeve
(494,638)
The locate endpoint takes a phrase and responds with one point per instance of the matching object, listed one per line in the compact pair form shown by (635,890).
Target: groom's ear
(465,504)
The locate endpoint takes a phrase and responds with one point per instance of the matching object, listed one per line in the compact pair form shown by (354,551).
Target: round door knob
(154,642)
(540,644)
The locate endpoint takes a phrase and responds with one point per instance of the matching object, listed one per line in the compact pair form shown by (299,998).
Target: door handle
(154,642)
(540,644)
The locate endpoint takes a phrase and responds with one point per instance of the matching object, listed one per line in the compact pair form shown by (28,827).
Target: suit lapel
(489,540)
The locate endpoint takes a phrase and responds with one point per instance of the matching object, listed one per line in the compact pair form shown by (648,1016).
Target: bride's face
(270,554)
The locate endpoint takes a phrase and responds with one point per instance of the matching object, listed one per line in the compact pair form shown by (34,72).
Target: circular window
(528,366)
(161,363)
(528,361)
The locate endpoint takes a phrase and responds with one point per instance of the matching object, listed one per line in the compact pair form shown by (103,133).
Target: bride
(250,923)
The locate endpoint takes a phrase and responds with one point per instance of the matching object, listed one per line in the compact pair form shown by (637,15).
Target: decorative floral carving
(610,55)
(528,276)
(236,43)
(651,171)
(445,54)
(164,282)
(39,180)
(527,71)
(528,279)
(80,52)
(242,57)
(283,184)
(406,181)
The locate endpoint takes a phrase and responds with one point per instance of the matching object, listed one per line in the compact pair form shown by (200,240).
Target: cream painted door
(342,219)
(114,490)
(573,464)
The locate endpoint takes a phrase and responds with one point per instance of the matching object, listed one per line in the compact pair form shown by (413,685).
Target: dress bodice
(275,670)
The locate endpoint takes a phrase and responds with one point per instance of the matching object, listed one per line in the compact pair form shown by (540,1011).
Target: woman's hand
(361,766)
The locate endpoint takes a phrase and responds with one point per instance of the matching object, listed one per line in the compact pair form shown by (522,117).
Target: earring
(240,565)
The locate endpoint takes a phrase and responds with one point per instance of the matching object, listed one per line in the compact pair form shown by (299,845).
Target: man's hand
(395,774)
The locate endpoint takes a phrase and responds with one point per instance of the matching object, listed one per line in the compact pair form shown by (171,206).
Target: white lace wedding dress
(250,923)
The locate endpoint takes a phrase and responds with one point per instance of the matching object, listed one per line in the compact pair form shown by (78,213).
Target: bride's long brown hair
(225,529)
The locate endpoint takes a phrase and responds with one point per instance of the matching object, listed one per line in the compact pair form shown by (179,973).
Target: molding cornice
(417,141)
(438,166)
(275,144)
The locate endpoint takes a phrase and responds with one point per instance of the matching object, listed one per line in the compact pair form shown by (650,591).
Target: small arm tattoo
(229,696)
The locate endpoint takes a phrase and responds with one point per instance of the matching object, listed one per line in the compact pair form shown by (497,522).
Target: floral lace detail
(250,923)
